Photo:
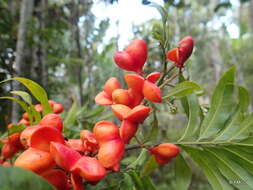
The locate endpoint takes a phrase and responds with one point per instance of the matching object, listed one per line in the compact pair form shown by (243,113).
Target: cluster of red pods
(68,163)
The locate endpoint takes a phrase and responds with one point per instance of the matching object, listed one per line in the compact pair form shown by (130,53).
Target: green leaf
(71,115)
(136,179)
(231,168)
(21,103)
(16,129)
(183,89)
(163,12)
(18,178)
(218,114)
(93,113)
(193,112)
(37,91)
(126,183)
(214,176)
(244,98)
(183,173)
(245,125)
(149,166)
(246,142)
(139,160)
(148,183)
(24,95)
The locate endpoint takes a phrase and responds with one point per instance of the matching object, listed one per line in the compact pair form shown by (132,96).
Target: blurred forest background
(64,47)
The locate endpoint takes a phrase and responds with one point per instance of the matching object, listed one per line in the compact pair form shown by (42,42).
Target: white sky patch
(126,13)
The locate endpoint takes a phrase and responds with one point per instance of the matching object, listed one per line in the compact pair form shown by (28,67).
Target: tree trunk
(251,15)
(25,15)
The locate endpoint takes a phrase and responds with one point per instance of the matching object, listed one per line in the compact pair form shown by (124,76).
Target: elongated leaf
(148,183)
(139,160)
(149,166)
(93,113)
(245,125)
(37,91)
(192,125)
(183,173)
(126,183)
(232,127)
(21,103)
(16,129)
(246,142)
(71,115)
(229,168)
(218,114)
(24,95)
(163,12)
(213,175)
(183,89)
(244,98)
(18,178)
(136,179)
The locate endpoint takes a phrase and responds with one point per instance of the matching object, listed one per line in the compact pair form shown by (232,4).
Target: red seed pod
(64,156)
(136,98)
(38,107)
(9,150)
(135,82)
(76,181)
(152,92)
(164,152)
(58,108)
(121,96)
(42,136)
(75,144)
(138,114)
(6,164)
(124,61)
(105,131)
(52,120)
(26,135)
(127,130)
(153,77)
(89,168)
(25,116)
(102,98)
(182,53)
(89,141)
(14,139)
(35,160)
(24,121)
(111,85)
(138,51)
(57,178)
(110,153)
(120,111)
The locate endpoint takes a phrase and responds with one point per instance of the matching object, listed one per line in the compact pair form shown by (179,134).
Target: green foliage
(18,178)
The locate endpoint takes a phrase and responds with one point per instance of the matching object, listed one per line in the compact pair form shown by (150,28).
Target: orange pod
(89,168)
(124,61)
(121,96)
(136,98)
(58,108)
(120,111)
(14,139)
(24,121)
(35,160)
(6,164)
(9,150)
(42,137)
(165,150)
(138,51)
(38,107)
(185,48)
(111,84)
(89,141)
(135,82)
(110,153)
(75,144)
(173,55)
(64,156)
(76,181)
(105,131)
(152,92)
(127,130)
(102,98)
(26,135)
(161,160)
(25,116)
(52,120)
(153,77)
(138,114)
(57,178)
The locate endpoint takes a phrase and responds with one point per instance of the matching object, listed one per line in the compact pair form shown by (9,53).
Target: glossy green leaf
(126,183)
(193,124)
(140,159)
(24,95)
(149,166)
(18,178)
(244,98)
(214,176)
(136,179)
(37,91)
(218,114)
(228,166)
(183,89)
(183,173)
(148,183)
(21,103)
